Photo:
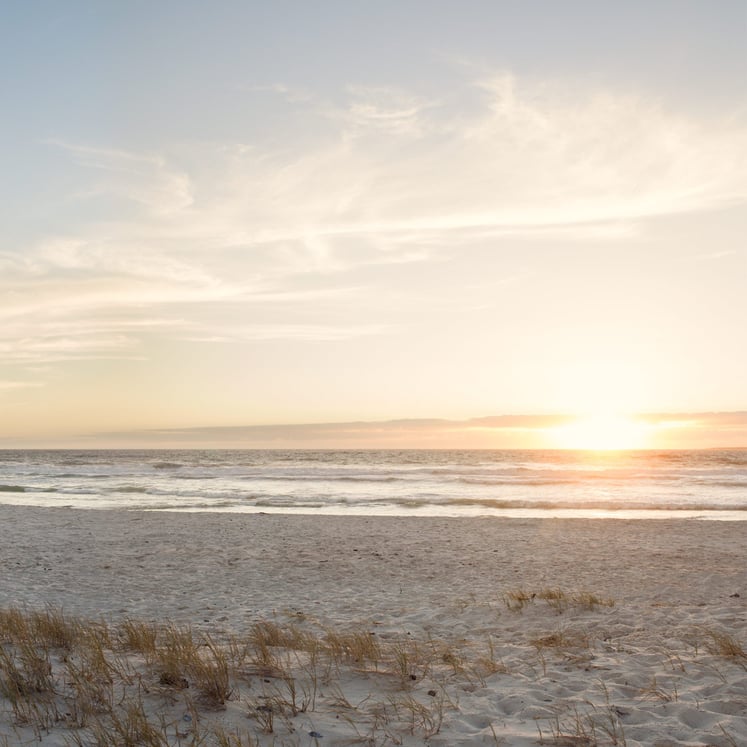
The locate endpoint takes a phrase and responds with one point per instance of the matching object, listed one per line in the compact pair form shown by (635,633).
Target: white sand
(646,674)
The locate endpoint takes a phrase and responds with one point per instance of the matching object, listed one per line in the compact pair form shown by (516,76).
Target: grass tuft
(723,644)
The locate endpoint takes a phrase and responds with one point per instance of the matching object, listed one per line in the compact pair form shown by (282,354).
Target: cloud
(146,179)
(49,348)
(352,434)
(391,163)
(300,332)
(678,430)
(393,171)
(386,177)
(60,336)
(8,385)
(291,94)
(711,256)
(387,110)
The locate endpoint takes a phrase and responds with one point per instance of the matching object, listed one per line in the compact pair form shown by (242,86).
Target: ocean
(638,484)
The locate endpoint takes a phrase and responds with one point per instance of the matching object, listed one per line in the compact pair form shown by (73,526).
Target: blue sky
(244,214)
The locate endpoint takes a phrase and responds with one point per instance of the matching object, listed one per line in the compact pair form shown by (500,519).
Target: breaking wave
(439,483)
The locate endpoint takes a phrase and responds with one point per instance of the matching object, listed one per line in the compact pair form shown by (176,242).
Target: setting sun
(602,433)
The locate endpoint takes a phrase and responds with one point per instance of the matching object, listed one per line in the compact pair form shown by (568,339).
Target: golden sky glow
(233,228)
(603,432)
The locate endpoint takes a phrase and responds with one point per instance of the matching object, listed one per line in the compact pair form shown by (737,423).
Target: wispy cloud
(292,94)
(523,155)
(300,332)
(8,385)
(404,176)
(711,256)
(48,348)
(149,180)
(62,335)
(389,176)
(387,110)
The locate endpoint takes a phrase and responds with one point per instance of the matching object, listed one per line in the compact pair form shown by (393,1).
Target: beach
(598,629)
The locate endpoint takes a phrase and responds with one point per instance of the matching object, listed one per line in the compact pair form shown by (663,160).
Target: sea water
(636,484)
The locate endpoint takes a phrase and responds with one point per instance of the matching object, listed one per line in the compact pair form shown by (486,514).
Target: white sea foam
(708,484)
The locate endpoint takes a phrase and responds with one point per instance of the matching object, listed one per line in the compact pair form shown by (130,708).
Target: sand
(642,671)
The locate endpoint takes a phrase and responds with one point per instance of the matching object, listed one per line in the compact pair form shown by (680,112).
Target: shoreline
(464,512)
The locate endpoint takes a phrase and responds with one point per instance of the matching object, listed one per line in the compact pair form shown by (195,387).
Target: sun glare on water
(602,433)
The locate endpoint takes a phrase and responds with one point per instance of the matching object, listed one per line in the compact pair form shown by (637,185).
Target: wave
(322,478)
(81,476)
(726,483)
(279,503)
(450,483)
(592,505)
(518,482)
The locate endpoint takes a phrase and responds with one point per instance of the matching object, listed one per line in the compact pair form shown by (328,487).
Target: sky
(373,224)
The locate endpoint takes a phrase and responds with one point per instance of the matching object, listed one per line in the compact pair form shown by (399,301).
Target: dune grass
(132,683)
(557,599)
(135,683)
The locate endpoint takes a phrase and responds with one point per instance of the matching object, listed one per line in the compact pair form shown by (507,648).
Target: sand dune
(523,631)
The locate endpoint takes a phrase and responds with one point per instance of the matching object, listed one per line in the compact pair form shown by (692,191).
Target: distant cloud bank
(672,430)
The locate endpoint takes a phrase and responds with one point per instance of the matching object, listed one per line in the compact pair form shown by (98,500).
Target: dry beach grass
(164,629)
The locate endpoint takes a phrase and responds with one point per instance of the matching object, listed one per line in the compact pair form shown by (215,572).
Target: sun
(602,433)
